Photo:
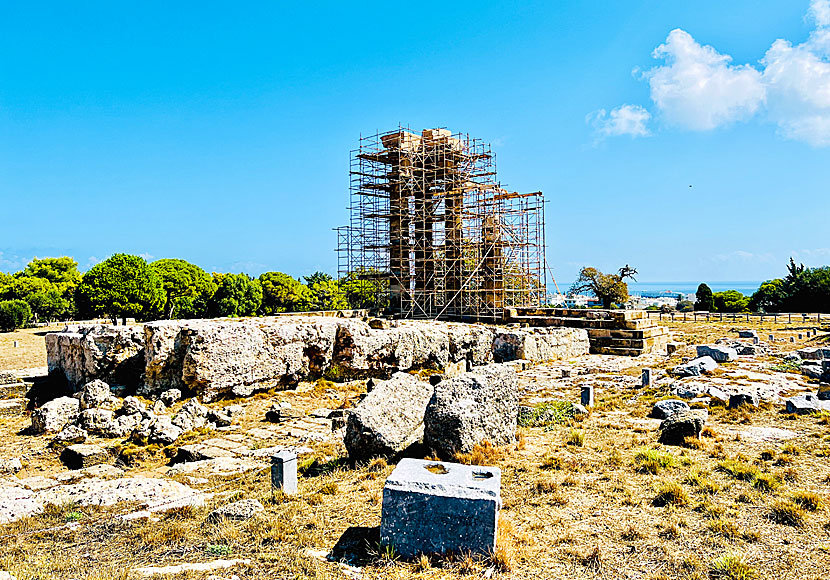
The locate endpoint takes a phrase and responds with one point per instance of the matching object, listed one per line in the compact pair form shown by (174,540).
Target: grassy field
(592,499)
(31,349)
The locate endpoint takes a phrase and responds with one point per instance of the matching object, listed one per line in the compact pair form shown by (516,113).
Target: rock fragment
(480,405)
(389,419)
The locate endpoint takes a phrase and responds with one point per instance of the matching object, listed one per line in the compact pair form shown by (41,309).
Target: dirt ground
(598,498)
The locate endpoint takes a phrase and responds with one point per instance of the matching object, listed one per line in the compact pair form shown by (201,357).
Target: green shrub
(14,314)
(738,469)
(732,567)
(670,493)
(547,414)
(653,460)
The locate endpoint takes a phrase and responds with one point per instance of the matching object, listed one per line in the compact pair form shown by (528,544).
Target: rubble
(481,405)
(389,419)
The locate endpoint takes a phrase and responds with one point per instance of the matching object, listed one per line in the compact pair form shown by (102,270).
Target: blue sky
(221,133)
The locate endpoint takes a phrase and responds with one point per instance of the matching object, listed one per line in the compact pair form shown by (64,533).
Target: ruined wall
(84,353)
(235,357)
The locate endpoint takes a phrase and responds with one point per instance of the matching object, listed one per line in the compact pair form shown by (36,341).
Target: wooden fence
(745,317)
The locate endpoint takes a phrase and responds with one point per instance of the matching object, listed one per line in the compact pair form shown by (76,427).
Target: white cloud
(820,12)
(698,89)
(624,120)
(798,81)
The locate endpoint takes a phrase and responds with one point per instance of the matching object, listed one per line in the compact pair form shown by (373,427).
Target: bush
(14,314)
(670,493)
(653,460)
(788,513)
(732,567)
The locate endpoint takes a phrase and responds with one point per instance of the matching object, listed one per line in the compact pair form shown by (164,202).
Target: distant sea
(743,286)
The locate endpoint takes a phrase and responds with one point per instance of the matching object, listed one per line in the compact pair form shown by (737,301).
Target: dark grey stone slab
(436,507)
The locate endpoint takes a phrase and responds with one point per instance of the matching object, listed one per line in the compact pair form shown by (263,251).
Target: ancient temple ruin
(431,223)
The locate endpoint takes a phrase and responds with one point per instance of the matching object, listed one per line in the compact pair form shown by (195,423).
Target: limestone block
(480,405)
(717,352)
(667,408)
(695,367)
(389,419)
(436,507)
(80,455)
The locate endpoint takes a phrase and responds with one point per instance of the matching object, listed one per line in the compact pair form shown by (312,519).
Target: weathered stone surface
(71,434)
(192,567)
(96,420)
(55,415)
(170,396)
(743,399)
(152,493)
(225,416)
(676,428)
(80,455)
(669,407)
(216,466)
(10,407)
(389,419)
(695,367)
(200,452)
(473,407)
(540,344)
(814,353)
(813,371)
(96,394)
(213,357)
(436,508)
(237,511)
(824,393)
(216,358)
(8,377)
(131,406)
(718,396)
(282,412)
(81,354)
(806,404)
(10,465)
(717,352)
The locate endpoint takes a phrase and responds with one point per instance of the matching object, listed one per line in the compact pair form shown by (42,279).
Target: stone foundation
(235,357)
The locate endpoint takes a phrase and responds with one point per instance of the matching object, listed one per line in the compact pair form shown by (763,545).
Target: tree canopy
(609,288)
(730,301)
(236,295)
(122,286)
(326,291)
(705,301)
(14,314)
(282,293)
(187,288)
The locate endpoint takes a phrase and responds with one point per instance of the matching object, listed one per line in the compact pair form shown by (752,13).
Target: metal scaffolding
(432,225)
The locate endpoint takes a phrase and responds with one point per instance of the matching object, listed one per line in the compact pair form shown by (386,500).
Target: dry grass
(654,460)
(484,453)
(571,511)
(31,350)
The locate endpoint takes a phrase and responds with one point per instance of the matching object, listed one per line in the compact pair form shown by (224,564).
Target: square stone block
(284,471)
(436,507)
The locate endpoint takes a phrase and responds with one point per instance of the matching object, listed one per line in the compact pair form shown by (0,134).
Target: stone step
(645,344)
(10,407)
(628,334)
(617,351)
(606,323)
(14,390)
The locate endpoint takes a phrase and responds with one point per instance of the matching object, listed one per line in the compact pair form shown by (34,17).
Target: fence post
(789,317)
